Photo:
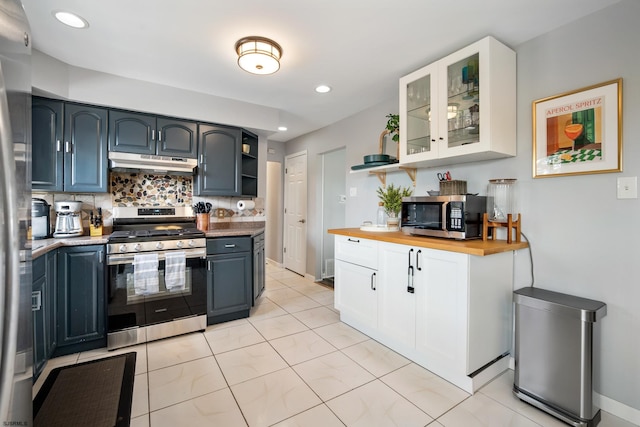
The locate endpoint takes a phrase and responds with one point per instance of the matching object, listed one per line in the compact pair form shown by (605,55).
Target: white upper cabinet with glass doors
(461,108)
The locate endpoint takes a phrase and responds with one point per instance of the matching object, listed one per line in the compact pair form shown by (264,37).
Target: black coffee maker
(40,219)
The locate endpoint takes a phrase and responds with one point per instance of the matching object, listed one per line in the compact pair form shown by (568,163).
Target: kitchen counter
(217,229)
(41,247)
(470,247)
(225,229)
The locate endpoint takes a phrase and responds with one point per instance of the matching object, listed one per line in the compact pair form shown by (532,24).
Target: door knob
(302,221)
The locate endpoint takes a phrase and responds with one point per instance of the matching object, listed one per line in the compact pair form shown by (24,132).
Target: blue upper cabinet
(219,164)
(147,134)
(47,133)
(132,132)
(177,138)
(85,148)
(69,150)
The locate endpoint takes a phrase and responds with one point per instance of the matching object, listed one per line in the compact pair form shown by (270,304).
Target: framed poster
(578,132)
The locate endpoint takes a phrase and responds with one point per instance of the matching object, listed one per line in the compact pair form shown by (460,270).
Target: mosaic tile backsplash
(142,189)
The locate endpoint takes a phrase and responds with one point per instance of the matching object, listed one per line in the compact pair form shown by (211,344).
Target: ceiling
(358,47)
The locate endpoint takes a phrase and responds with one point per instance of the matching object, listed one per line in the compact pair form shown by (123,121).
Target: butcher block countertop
(470,247)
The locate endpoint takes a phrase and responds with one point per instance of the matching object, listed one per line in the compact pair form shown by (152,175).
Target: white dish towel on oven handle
(145,274)
(174,270)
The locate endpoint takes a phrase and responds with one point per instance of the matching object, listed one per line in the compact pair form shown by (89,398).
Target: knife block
(95,231)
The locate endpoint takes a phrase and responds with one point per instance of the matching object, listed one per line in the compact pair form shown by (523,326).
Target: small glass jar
(381,216)
(502,200)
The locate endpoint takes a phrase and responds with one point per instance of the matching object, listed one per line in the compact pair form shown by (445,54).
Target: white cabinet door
(396,302)
(419,114)
(481,123)
(355,293)
(441,310)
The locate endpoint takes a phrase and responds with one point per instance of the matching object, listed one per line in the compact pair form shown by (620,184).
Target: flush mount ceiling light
(282,128)
(70,19)
(323,89)
(258,55)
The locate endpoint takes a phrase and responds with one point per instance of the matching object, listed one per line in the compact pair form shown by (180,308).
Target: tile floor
(293,363)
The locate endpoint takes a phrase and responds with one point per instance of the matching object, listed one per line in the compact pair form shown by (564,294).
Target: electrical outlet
(628,187)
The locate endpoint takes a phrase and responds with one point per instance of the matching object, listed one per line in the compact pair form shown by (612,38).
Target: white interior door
(295,213)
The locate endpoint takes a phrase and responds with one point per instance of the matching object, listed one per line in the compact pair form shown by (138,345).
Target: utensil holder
(448,188)
(202,221)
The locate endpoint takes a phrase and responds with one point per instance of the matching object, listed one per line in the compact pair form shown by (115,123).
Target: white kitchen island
(444,304)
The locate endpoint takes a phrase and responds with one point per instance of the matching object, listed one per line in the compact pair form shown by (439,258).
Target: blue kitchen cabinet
(44,310)
(141,133)
(85,149)
(229,279)
(249,164)
(259,273)
(69,146)
(47,118)
(219,157)
(81,314)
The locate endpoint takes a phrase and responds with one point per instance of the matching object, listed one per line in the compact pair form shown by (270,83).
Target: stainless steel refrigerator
(16,358)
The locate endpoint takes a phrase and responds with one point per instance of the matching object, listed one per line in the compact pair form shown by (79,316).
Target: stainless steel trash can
(555,362)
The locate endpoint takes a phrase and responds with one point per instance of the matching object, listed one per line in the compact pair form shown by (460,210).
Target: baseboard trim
(616,408)
(272,262)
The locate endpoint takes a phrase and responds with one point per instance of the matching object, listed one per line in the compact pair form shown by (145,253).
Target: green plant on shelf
(393,126)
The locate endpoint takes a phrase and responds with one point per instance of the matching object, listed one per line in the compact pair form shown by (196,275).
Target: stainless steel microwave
(453,217)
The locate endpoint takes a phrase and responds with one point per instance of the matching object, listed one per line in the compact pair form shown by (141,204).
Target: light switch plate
(353,191)
(628,187)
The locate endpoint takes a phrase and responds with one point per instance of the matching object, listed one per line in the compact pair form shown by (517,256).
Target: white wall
(359,134)
(584,240)
(333,206)
(53,77)
(274,211)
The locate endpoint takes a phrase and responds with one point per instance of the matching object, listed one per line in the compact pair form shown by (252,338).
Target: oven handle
(115,259)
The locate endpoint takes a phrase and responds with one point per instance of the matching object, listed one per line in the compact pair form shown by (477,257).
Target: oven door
(129,308)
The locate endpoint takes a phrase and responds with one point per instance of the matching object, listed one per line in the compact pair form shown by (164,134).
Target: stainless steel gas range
(156,260)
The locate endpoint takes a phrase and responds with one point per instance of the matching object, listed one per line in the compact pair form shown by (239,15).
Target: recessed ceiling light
(323,89)
(70,19)
(282,128)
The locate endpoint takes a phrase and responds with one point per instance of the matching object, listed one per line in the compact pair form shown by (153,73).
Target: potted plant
(391,198)
(393,126)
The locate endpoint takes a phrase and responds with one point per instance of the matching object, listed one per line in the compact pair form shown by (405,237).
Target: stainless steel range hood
(147,162)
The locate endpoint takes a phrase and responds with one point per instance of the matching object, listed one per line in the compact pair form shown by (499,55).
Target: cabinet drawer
(357,251)
(226,245)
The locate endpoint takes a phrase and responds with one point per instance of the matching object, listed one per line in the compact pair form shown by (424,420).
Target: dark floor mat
(97,393)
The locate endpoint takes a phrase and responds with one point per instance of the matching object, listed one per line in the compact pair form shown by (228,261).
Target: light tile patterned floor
(293,363)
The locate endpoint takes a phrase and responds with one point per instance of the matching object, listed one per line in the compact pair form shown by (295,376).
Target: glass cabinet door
(463,102)
(418,130)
